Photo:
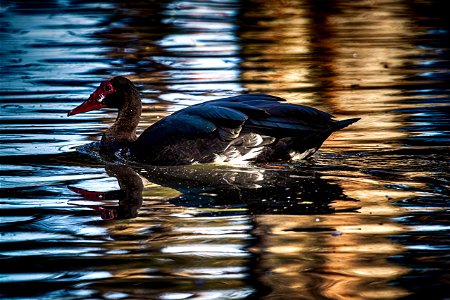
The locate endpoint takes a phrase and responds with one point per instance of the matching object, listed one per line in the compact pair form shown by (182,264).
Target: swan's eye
(108,88)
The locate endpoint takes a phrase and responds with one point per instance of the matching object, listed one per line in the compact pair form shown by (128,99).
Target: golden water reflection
(347,61)
(343,258)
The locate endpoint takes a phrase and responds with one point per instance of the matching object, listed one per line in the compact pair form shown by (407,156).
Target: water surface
(366,218)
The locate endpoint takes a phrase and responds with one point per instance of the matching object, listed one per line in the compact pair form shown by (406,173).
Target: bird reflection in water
(129,194)
(273,190)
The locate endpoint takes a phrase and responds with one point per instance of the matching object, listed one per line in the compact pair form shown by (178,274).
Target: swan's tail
(345,123)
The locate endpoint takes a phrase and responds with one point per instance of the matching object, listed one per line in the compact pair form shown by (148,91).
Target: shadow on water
(366,218)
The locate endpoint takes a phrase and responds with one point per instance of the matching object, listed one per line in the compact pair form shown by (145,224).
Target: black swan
(249,127)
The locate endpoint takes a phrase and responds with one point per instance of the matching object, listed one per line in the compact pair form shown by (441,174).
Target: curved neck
(123,131)
(128,118)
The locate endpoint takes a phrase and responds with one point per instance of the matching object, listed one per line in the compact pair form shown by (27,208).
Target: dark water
(366,218)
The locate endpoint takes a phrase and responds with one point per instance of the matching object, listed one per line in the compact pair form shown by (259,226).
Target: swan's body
(253,127)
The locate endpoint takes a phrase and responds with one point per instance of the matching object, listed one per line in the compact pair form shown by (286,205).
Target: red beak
(93,103)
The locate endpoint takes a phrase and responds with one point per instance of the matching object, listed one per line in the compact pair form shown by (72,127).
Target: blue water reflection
(202,54)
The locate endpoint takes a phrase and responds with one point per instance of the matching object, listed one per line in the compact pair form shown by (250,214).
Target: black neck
(123,131)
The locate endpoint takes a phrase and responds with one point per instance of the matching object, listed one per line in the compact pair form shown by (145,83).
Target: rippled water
(366,218)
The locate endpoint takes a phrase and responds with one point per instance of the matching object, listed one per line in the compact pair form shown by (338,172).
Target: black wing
(266,115)
(241,123)
(262,113)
